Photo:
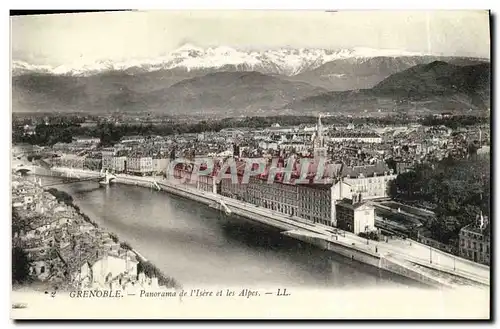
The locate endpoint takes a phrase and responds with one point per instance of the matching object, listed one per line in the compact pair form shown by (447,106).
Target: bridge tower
(107,177)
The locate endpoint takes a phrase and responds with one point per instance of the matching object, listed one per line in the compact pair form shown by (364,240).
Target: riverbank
(57,244)
(144,266)
(403,257)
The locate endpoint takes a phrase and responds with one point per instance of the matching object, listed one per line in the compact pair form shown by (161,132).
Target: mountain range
(283,61)
(437,86)
(218,80)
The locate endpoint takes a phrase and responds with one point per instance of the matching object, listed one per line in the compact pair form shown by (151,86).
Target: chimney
(354,198)
(359,197)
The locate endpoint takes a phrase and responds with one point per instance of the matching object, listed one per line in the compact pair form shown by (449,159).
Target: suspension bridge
(69,175)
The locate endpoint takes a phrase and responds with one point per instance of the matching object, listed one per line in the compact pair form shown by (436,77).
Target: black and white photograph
(251,164)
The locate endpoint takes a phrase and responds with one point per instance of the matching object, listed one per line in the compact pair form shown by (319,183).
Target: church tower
(319,141)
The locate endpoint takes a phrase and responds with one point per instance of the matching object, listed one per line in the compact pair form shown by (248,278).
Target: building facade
(371,187)
(119,163)
(355,216)
(86,140)
(370,138)
(160,165)
(474,242)
(107,157)
(140,165)
(309,201)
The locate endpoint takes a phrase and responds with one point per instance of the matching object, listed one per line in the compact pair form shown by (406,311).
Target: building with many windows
(107,157)
(86,140)
(474,241)
(119,163)
(207,183)
(361,137)
(308,201)
(141,165)
(371,181)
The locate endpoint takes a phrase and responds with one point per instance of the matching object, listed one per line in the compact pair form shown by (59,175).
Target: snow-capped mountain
(282,61)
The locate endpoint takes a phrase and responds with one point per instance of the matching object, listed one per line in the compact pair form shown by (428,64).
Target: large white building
(371,181)
(160,165)
(118,164)
(137,164)
(362,137)
(86,140)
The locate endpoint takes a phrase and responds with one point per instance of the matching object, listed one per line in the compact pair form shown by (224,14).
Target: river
(199,246)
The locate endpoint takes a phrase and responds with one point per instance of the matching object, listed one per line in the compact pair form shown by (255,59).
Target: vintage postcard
(251,165)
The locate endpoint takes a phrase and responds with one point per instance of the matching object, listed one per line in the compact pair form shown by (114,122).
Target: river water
(199,246)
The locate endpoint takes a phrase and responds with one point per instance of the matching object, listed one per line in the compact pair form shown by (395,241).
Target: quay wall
(210,198)
(354,253)
(341,248)
(409,272)
(370,258)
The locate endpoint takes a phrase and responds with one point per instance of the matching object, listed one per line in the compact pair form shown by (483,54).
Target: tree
(20,266)
(125,245)
(392,189)
(407,183)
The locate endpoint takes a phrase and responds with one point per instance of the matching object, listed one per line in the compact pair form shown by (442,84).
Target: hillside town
(54,243)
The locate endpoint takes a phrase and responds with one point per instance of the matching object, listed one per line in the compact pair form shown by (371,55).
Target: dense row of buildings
(319,203)
(65,249)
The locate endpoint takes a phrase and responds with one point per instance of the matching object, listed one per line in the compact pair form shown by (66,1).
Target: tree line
(110,133)
(454,122)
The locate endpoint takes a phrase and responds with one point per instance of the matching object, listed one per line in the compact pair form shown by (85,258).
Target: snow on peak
(285,61)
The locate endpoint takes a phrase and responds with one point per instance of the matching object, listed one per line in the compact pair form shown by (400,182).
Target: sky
(117,36)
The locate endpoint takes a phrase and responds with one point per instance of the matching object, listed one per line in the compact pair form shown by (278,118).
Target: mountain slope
(220,92)
(364,73)
(437,86)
